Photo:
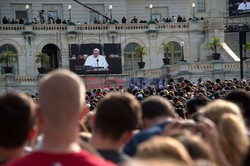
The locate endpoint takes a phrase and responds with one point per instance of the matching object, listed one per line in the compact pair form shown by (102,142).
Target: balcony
(100,28)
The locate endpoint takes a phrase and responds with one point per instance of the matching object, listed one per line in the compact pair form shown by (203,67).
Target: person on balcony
(5,21)
(58,20)
(124,20)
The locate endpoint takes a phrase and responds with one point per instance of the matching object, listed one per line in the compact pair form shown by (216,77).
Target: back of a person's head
(241,98)
(61,97)
(17,114)
(117,113)
(167,161)
(231,127)
(195,103)
(156,106)
(160,147)
(197,148)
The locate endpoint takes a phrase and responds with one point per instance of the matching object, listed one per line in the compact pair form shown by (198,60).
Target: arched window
(9,47)
(176,56)
(129,57)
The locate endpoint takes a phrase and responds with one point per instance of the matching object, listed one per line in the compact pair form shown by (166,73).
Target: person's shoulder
(27,160)
(43,158)
(92,160)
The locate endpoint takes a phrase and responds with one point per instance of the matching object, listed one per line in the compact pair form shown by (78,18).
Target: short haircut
(155,106)
(195,103)
(117,113)
(16,119)
(241,98)
(61,97)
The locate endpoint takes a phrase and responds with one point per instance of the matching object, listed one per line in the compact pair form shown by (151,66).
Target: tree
(140,51)
(166,47)
(8,57)
(246,48)
(42,58)
(214,44)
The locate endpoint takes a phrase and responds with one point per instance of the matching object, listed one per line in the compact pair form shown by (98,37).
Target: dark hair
(241,98)
(194,104)
(16,119)
(117,113)
(155,106)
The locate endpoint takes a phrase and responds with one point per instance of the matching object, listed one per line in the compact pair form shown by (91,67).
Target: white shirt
(245,6)
(92,61)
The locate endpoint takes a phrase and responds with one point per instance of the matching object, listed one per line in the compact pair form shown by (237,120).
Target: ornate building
(190,38)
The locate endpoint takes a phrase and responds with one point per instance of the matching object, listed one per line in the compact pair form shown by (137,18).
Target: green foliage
(140,51)
(8,57)
(167,47)
(42,58)
(247,46)
(214,44)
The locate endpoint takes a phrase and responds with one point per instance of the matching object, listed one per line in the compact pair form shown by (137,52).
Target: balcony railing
(11,27)
(131,26)
(49,27)
(183,25)
(93,27)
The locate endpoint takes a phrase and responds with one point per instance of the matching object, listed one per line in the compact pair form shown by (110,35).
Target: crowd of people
(57,20)
(179,123)
(236,28)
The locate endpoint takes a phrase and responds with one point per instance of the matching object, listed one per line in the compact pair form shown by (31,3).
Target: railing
(154,72)
(132,26)
(232,66)
(49,27)
(200,67)
(11,27)
(91,27)
(172,25)
(24,79)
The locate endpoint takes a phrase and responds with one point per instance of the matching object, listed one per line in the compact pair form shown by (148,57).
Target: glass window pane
(201,6)
(21,14)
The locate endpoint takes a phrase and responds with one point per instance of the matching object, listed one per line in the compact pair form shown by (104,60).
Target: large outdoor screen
(111,52)
(239,7)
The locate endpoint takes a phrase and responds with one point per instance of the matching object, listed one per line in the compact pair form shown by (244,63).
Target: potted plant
(166,47)
(42,58)
(8,57)
(141,51)
(214,44)
(246,48)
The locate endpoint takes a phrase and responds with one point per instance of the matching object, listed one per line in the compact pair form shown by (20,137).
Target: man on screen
(244,5)
(96,60)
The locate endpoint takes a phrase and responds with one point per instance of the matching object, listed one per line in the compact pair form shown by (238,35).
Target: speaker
(242,37)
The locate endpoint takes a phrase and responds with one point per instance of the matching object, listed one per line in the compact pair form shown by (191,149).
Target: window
(156,16)
(93,16)
(8,47)
(21,14)
(176,56)
(130,59)
(201,6)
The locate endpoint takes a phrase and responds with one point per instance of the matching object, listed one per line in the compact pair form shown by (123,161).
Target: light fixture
(27,7)
(110,7)
(151,6)
(182,43)
(193,5)
(69,7)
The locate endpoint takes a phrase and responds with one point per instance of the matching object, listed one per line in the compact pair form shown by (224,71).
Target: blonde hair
(231,127)
(163,147)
